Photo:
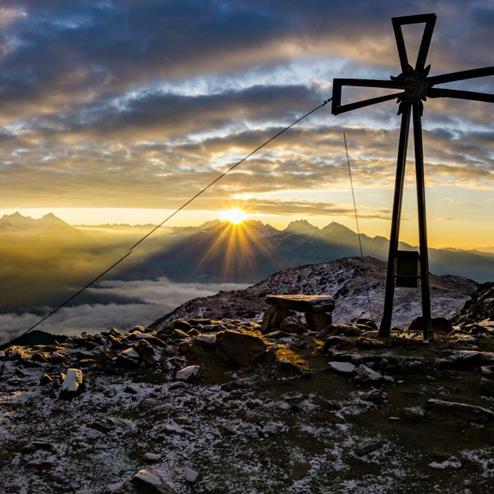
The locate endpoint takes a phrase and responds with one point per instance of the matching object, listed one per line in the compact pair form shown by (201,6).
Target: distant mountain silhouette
(248,253)
(19,225)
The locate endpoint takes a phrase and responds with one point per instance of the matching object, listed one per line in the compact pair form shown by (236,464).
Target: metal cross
(415,85)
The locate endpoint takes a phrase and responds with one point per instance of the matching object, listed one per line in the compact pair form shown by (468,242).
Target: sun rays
(237,245)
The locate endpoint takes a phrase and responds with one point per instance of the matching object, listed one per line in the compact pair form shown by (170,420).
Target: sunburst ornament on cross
(415,86)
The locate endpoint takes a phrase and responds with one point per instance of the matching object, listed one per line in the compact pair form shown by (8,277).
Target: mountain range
(250,252)
(216,251)
(18,224)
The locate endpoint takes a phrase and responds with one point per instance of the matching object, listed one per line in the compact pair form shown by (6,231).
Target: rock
(464,358)
(292,324)
(182,325)
(348,330)
(131,389)
(190,475)
(72,384)
(138,329)
(152,457)
(46,379)
(342,367)
(366,374)
(153,340)
(200,322)
(299,471)
(272,318)
(103,425)
(339,341)
(461,407)
(56,358)
(152,481)
(239,348)
(369,447)
(41,357)
(128,358)
(377,396)
(146,352)
(116,333)
(451,463)
(38,445)
(487,371)
(206,340)
(318,321)
(367,324)
(178,334)
(187,373)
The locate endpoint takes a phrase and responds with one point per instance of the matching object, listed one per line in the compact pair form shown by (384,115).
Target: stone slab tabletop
(302,303)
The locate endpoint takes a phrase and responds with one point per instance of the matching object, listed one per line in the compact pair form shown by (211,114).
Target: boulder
(152,481)
(182,324)
(190,475)
(292,324)
(72,383)
(206,340)
(239,348)
(46,379)
(367,324)
(128,358)
(342,367)
(363,373)
(146,352)
(152,457)
(187,373)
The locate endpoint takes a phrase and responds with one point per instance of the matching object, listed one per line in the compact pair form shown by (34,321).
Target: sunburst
(235,216)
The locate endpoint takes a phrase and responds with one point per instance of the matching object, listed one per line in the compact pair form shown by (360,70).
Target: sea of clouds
(148,301)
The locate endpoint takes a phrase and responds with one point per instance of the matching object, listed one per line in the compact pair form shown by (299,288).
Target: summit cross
(415,87)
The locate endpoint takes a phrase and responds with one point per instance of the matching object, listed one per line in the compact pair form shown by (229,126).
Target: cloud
(156,299)
(139,104)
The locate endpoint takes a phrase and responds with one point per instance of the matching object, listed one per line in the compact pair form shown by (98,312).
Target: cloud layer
(148,300)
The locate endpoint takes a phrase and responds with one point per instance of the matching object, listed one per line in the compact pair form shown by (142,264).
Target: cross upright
(415,86)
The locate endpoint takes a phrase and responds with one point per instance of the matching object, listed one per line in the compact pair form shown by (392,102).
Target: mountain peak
(301,227)
(52,220)
(334,227)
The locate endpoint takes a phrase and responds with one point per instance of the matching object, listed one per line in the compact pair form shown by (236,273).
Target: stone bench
(317,310)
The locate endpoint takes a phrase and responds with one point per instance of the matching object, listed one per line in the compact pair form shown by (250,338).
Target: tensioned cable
(168,218)
(364,267)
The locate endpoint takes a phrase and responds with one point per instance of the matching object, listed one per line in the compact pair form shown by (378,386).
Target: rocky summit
(204,405)
(357,288)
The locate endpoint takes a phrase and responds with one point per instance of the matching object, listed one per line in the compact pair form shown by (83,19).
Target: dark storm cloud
(58,52)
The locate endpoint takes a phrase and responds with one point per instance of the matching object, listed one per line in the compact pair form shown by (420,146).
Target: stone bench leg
(318,321)
(273,317)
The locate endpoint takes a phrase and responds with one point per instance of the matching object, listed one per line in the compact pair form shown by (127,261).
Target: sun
(235,216)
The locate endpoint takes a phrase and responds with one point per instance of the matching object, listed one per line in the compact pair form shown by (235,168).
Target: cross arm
(429,20)
(462,75)
(456,93)
(338,108)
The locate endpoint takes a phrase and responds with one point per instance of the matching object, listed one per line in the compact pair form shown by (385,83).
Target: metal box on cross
(407,268)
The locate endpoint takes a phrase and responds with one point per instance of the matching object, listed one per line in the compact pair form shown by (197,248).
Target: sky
(119,111)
